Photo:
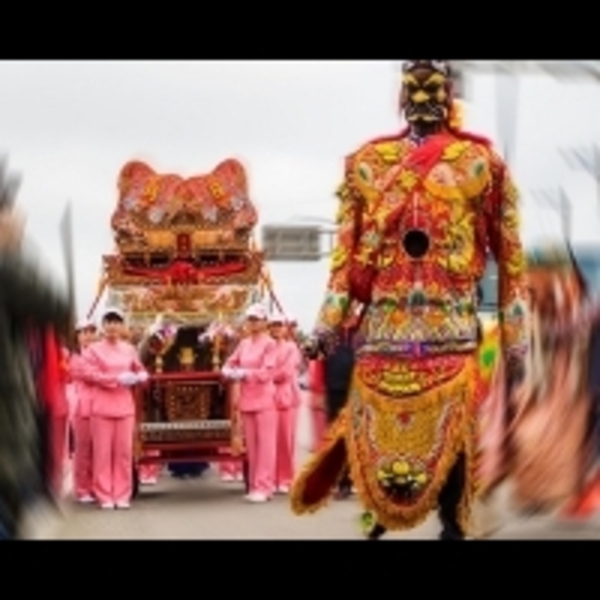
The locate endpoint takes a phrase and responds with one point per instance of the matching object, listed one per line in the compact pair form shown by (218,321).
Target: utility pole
(559,201)
(586,160)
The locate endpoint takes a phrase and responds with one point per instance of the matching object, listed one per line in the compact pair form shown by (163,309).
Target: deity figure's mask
(426,97)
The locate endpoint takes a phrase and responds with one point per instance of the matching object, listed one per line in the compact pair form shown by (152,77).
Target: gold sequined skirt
(400,450)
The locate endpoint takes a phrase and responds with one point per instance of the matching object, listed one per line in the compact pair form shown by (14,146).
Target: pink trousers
(113,459)
(83,480)
(260,433)
(285,467)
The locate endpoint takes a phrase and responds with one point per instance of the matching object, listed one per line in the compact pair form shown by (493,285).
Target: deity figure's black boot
(451,531)
(377,532)
(449,502)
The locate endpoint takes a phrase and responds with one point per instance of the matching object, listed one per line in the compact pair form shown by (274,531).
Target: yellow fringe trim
(460,397)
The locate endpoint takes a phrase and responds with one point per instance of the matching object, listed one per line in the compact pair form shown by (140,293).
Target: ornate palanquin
(183,245)
(183,249)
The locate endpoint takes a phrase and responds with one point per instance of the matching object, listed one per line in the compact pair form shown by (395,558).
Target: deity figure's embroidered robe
(416,224)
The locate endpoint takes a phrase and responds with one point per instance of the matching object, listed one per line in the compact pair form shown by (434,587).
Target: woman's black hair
(113,318)
(77,349)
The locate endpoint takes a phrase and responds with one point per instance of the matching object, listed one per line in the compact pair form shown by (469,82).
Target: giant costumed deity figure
(419,212)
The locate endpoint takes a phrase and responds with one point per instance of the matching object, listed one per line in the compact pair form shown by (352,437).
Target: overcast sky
(69,127)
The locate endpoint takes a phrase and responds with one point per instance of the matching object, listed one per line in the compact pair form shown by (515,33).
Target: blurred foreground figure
(568,358)
(32,313)
(419,211)
(550,424)
(587,503)
(545,441)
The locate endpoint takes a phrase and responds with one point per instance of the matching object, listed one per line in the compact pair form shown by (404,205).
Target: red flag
(54,375)
(53,389)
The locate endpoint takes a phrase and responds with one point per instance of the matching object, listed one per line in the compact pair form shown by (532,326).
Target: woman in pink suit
(252,364)
(115,368)
(287,402)
(82,394)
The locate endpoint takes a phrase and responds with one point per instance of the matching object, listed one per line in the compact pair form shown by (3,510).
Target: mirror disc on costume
(416,243)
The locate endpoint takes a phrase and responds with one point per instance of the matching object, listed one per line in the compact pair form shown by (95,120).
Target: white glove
(127,379)
(227,372)
(239,374)
(142,377)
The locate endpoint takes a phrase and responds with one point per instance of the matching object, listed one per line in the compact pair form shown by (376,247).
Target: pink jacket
(72,400)
(104,362)
(82,392)
(257,357)
(286,375)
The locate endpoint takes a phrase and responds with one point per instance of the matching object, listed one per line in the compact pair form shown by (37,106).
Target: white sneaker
(149,481)
(283,489)
(86,500)
(123,505)
(257,498)
(107,506)
(227,478)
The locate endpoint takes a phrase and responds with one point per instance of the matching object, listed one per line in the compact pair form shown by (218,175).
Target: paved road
(208,509)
